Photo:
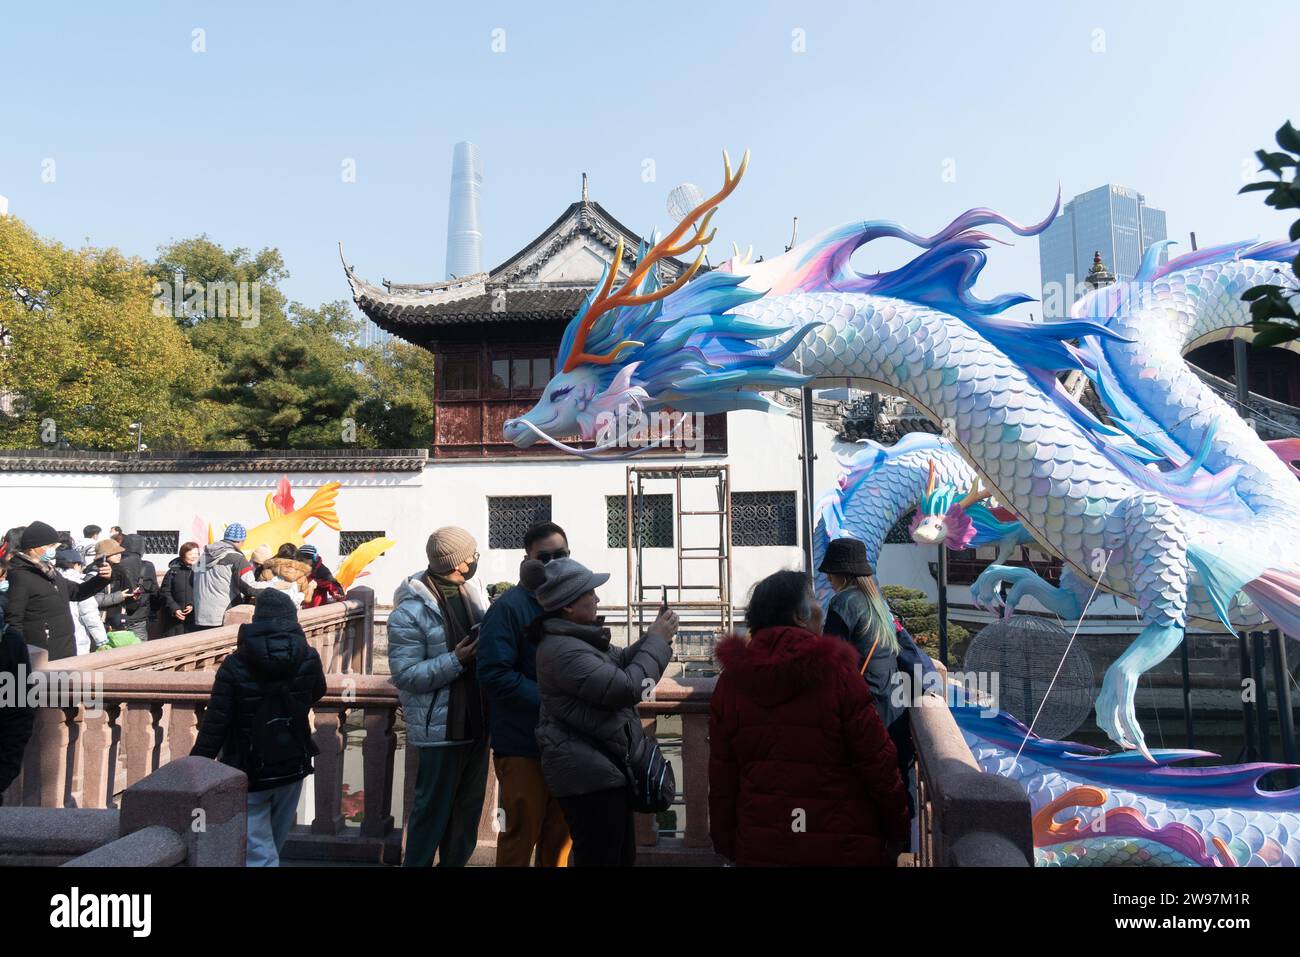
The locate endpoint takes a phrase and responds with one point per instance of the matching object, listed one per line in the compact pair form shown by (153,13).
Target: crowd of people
(810,748)
(73,596)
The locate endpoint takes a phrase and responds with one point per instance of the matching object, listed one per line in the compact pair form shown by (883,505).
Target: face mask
(49,555)
(473,567)
(4,585)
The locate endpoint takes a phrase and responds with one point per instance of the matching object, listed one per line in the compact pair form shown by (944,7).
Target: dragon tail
(1277,594)
(1227,572)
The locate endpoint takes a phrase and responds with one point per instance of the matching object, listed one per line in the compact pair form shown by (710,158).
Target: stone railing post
(971,818)
(695,778)
(328,779)
(363,632)
(204,802)
(378,750)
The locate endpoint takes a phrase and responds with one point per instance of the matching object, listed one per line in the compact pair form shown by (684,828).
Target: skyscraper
(464,241)
(1114,221)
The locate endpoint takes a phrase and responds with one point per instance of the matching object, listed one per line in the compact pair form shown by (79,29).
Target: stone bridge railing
(965,818)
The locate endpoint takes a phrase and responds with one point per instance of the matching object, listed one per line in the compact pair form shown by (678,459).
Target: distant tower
(464,241)
(4,206)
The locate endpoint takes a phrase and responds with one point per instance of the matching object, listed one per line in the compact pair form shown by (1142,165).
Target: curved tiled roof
(506,294)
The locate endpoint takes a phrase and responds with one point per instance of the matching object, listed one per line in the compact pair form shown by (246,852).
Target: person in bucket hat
(589,691)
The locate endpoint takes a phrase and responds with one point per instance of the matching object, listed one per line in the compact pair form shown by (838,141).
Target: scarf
(465,718)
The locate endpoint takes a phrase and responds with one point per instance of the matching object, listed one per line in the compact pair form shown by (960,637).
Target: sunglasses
(545,557)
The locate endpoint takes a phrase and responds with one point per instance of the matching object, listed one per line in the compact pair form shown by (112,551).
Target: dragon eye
(560,393)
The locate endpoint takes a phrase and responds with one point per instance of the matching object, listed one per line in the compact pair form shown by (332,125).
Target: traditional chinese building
(495,334)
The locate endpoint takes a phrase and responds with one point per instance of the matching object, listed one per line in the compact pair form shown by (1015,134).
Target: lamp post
(138,429)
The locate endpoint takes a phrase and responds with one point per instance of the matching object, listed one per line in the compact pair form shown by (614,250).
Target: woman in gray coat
(589,693)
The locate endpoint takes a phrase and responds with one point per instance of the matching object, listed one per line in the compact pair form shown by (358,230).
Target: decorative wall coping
(286,460)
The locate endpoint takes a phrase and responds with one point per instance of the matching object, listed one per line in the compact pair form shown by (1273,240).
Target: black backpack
(281,748)
(650,777)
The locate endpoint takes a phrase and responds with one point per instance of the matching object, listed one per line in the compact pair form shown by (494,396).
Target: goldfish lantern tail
(353,566)
(321,505)
(272,510)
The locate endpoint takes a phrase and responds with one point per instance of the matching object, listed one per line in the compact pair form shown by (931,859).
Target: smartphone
(663,605)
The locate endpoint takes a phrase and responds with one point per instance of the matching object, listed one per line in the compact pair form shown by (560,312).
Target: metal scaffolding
(703,606)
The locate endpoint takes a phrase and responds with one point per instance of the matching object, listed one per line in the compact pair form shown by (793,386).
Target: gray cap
(566,581)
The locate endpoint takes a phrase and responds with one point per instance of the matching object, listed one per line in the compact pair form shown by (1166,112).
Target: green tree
(296,385)
(85,355)
(396,409)
(1275,309)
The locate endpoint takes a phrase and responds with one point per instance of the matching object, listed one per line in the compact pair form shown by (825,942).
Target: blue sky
(246,141)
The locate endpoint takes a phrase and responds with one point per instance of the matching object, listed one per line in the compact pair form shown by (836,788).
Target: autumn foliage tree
(94,341)
(84,356)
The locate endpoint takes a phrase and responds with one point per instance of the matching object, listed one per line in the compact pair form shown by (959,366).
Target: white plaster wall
(763,455)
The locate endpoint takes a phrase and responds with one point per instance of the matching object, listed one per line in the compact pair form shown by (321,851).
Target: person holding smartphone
(432,645)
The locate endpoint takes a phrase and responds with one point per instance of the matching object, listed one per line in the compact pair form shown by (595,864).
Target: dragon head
(940,519)
(643,347)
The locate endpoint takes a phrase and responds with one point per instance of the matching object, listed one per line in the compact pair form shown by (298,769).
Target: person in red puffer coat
(801,770)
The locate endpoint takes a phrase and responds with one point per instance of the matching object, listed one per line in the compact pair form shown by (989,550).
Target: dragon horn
(929,485)
(977,494)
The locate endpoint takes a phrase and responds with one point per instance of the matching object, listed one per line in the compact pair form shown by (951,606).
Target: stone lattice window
(509,516)
(160,543)
(654,522)
(349,542)
(764,518)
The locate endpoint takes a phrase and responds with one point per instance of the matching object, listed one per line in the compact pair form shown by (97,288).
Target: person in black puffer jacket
(257,720)
(137,576)
(177,593)
(39,596)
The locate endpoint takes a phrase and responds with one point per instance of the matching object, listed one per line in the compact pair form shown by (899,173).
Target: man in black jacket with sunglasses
(507,672)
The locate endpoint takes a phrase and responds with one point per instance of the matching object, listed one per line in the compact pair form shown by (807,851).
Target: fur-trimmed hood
(776,664)
(289,569)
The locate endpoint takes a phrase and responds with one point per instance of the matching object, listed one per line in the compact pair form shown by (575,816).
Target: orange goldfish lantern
(285,522)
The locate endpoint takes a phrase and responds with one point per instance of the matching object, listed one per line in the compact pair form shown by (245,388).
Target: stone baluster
(331,740)
(363,631)
(49,762)
(100,731)
(182,728)
(695,777)
(378,751)
(138,740)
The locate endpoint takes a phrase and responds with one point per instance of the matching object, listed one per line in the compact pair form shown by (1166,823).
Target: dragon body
(1175,504)
(1089,809)
(878,485)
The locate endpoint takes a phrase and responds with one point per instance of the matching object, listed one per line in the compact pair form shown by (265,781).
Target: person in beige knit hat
(432,646)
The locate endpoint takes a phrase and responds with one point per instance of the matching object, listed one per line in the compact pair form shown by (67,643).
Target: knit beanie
(261,553)
(36,535)
(235,533)
(448,547)
(273,603)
